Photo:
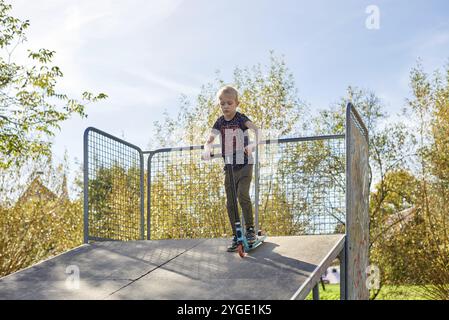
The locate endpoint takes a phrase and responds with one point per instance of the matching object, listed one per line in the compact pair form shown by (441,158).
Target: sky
(144,54)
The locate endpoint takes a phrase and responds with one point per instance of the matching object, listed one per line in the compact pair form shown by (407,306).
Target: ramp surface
(282,268)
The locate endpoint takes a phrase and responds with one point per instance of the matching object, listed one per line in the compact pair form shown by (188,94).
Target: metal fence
(113,188)
(298,188)
(302,186)
(185,195)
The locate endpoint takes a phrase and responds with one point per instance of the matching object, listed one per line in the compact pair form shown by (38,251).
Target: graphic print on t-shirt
(233,138)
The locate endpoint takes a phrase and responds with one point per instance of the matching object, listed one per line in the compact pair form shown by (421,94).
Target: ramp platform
(282,268)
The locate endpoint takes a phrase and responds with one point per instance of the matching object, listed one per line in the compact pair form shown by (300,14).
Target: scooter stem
(230,170)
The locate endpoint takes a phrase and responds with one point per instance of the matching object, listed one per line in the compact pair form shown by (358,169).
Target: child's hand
(205,156)
(249,149)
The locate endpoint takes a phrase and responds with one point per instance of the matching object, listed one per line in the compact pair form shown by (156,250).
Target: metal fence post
(342,258)
(256,187)
(86,186)
(316,292)
(142,197)
(149,195)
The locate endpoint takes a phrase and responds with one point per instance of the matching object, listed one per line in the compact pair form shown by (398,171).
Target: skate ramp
(282,268)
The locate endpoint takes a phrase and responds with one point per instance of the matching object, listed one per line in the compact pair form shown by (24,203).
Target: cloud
(115,17)
(438,39)
(81,23)
(168,84)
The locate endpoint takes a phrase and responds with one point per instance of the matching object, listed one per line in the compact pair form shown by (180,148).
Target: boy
(231,127)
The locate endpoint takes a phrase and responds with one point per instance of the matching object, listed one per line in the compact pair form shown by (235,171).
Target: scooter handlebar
(205,156)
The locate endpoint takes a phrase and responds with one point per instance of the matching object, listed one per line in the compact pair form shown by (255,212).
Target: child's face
(228,104)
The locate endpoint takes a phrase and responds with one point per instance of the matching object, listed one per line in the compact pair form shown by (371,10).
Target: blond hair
(228,90)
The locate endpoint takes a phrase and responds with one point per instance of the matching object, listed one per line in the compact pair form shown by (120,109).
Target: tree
(430,104)
(411,243)
(38,227)
(268,96)
(114,201)
(390,153)
(393,223)
(28,112)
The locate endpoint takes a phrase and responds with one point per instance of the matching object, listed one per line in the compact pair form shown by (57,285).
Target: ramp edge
(314,277)
(46,260)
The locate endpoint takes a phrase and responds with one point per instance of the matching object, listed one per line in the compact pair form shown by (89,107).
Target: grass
(332,292)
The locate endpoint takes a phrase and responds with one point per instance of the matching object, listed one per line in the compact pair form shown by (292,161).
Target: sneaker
(251,235)
(233,246)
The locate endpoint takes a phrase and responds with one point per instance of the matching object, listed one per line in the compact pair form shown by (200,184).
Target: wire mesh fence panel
(187,197)
(114,188)
(302,186)
(301,190)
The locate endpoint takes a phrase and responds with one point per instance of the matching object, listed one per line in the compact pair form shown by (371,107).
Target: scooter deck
(257,243)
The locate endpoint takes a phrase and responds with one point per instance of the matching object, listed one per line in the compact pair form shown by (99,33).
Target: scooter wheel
(241,250)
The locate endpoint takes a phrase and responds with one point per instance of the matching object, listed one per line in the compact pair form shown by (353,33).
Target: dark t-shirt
(234,138)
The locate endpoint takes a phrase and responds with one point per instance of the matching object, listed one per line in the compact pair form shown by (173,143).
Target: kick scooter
(243,246)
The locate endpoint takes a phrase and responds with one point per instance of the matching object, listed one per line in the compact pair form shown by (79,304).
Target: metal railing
(299,186)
